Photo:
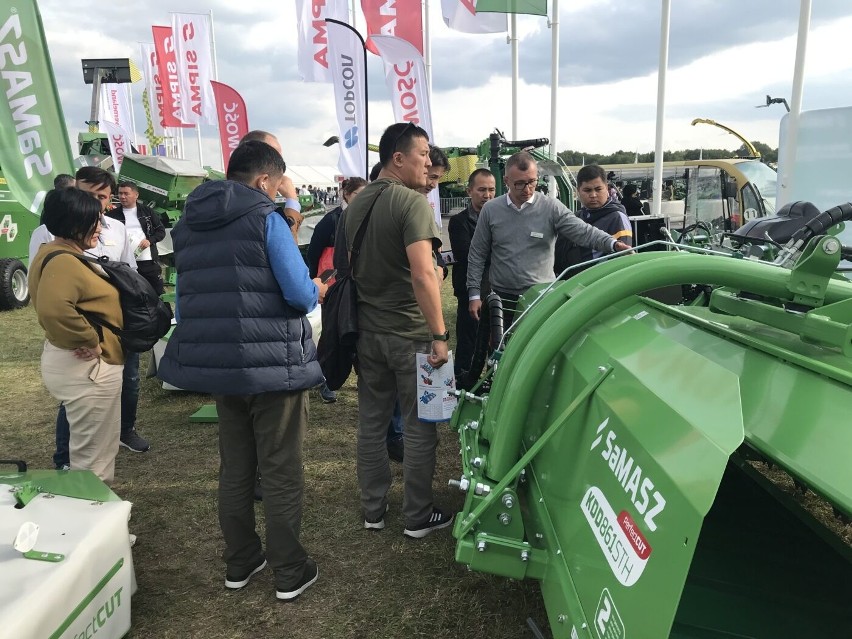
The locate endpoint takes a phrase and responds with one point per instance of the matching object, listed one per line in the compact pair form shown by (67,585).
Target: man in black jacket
(481,187)
(144,230)
(601,210)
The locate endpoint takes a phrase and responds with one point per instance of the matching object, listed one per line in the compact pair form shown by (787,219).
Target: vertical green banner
(33,138)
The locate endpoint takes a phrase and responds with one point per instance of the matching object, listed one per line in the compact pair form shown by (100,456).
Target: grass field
(371,584)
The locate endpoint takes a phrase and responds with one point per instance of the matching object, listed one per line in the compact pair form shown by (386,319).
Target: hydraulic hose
(495,315)
(822,222)
(555,322)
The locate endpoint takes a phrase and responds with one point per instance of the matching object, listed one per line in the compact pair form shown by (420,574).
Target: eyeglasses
(401,134)
(522,186)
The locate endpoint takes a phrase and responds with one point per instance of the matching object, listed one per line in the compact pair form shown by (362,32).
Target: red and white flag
(405,74)
(461,15)
(164,46)
(119,143)
(313,37)
(400,18)
(233,119)
(194,55)
(151,76)
(115,107)
(349,75)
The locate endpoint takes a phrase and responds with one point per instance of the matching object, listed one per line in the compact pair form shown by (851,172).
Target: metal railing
(453,205)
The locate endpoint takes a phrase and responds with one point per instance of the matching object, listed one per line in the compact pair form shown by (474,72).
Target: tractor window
(704,200)
(751,204)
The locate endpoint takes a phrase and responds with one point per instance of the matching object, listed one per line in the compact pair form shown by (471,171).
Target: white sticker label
(626,562)
(608,623)
(537,235)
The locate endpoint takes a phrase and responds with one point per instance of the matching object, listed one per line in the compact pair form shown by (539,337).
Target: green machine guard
(612,458)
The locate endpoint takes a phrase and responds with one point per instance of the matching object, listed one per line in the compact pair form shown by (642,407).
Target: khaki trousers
(91,394)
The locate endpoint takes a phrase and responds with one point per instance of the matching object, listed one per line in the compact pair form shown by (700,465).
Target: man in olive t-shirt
(399,314)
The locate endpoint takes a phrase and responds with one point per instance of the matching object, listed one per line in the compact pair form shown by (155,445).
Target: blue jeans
(129,401)
(395,426)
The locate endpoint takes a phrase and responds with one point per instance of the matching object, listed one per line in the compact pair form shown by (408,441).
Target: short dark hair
(62,180)
(438,158)
(96,176)
(257,135)
(127,184)
(590,173)
(630,189)
(472,178)
(374,172)
(71,213)
(399,137)
(253,158)
(350,185)
(521,159)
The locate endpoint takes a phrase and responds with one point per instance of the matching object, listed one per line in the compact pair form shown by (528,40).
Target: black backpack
(146,317)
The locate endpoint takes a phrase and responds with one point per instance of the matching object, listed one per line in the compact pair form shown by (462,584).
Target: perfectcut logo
(101,617)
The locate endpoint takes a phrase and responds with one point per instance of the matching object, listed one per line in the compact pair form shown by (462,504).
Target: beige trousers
(91,393)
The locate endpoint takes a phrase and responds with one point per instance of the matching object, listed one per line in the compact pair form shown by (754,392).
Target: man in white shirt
(144,230)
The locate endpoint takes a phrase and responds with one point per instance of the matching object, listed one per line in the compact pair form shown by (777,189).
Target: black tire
(14,288)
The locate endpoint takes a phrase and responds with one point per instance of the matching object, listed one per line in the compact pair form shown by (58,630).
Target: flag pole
(216,77)
(513,39)
(665,19)
(554,85)
(792,130)
(427,47)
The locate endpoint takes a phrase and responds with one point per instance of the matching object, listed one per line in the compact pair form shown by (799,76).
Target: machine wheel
(14,288)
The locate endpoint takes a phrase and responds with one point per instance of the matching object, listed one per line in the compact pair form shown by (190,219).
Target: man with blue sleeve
(242,335)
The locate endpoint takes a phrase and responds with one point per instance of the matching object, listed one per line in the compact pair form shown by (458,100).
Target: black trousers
(151,271)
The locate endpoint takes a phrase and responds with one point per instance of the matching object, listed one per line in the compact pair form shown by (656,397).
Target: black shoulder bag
(336,350)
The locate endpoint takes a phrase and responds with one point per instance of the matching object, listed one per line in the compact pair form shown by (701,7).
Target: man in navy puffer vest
(242,295)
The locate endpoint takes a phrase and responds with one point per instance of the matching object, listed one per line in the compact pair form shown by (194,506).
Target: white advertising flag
(346,60)
(461,15)
(191,33)
(313,36)
(405,74)
(116,107)
(119,143)
(151,75)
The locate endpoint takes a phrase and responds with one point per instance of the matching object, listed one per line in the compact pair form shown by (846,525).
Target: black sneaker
(309,578)
(436,521)
(134,441)
(327,395)
(376,524)
(235,582)
(396,449)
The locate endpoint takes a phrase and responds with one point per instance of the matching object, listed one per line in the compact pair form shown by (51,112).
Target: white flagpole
(554,84)
(665,19)
(427,48)
(513,39)
(792,133)
(216,77)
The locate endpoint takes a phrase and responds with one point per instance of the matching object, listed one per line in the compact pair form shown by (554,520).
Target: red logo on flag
(402,19)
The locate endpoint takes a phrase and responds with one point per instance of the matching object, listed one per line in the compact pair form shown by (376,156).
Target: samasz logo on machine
(619,536)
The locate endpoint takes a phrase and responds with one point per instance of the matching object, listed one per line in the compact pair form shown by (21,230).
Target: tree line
(577,158)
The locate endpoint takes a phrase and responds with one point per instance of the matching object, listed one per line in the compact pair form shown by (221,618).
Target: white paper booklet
(434,401)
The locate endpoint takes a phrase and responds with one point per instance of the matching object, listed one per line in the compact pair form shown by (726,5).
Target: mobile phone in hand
(327,275)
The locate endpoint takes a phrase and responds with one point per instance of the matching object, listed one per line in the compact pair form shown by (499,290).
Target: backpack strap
(97,323)
(362,229)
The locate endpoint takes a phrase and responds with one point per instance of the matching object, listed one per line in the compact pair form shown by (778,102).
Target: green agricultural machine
(646,461)
(16,227)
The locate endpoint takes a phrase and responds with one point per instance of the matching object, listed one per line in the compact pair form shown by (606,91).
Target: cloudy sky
(725,57)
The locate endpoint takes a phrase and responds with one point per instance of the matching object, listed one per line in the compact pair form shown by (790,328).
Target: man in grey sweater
(518,232)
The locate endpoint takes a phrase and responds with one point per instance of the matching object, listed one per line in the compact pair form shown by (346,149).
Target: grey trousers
(262,432)
(386,370)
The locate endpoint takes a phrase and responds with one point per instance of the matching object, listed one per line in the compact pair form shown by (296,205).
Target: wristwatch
(441,337)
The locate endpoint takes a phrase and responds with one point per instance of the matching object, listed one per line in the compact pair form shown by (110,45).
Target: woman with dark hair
(81,365)
(321,252)
(631,200)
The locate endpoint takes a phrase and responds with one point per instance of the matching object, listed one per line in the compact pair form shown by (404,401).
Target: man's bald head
(263,136)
